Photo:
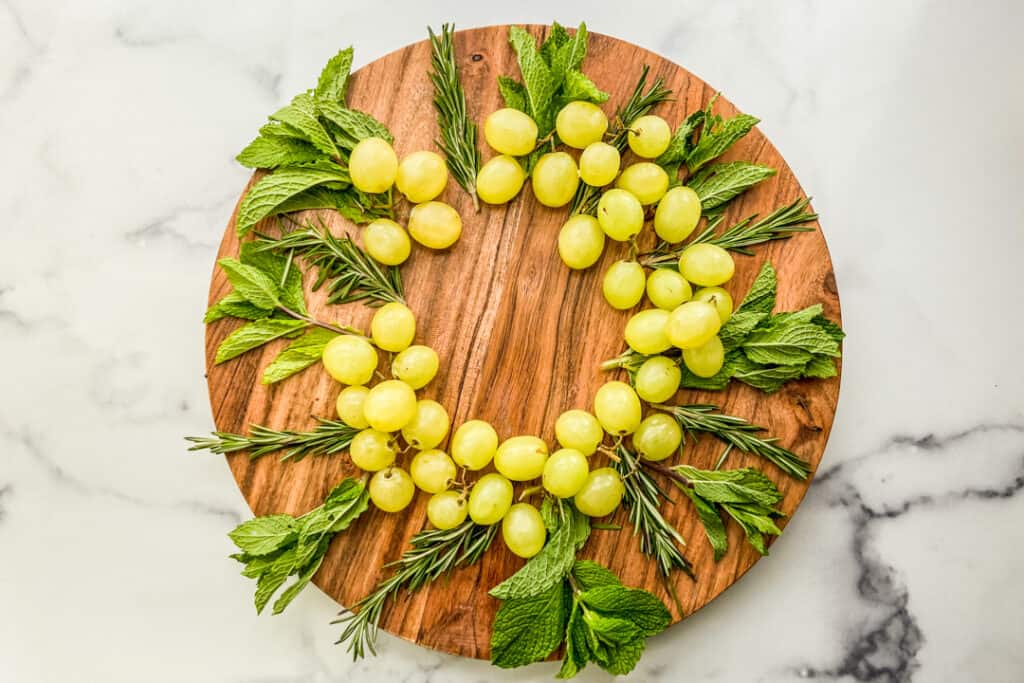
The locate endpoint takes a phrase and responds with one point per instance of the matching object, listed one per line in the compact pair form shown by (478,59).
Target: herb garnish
(327,438)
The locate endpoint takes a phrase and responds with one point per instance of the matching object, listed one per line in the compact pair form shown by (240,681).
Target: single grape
(447,510)
(474,444)
(649,136)
(657,380)
(523,530)
(435,225)
(623,284)
(693,324)
(555,179)
(350,406)
(677,214)
(578,430)
(373,165)
(392,489)
(617,408)
(432,470)
(415,366)
(500,179)
(717,297)
(646,332)
(599,164)
(428,426)
(657,437)
(372,450)
(390,405)
(387,242)
(521,458)
(707,359)
(646,181)
(580,241)
(706,265)
(565,472)
(422,176)
(601,493)
(667,289)
(620,214)
(510,131)
(393,327)
(581,123)
(490,499)
(350,359)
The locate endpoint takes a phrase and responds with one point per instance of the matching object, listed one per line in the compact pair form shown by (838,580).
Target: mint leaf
(345,504)
(717,137)
(250,282)
(681,143)
(714,529)
(234,305)
(791,343)
(761,295)
(314,198)
(333,82)
(717,184)
(537,78)
(301,582)
(831,328)
(299,355)
(271,151)
(557,37)
(590,574)
(568,55)
(821,367)
(642,609)
(756,521)
(270,192)
(739,326)
(577,652)
(301,115)
(528,629)
(578,87)
(716,382)
(281,270)
(746,485)
(264,535)
(273,578)
(551,564)
(352,125)
(513,92)
(255,334)
(768,379)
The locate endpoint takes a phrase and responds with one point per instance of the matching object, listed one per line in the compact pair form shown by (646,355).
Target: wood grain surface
(520,338)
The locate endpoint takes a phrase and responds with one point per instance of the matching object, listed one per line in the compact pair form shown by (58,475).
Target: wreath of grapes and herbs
(317,153)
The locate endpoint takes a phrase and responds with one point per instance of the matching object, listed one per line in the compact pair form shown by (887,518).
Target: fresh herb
(778,225)
(719,183)
(353,275)
(433,554)
(327,438)
(458,132)
(275,547)
(717,136)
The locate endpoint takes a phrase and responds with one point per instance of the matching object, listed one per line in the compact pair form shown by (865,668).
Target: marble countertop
(120,121)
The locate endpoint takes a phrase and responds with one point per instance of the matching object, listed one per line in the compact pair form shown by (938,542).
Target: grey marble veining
(120,121)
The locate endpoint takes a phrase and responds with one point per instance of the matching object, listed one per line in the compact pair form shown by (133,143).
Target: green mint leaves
(528,629)
(717,184)
(333,82)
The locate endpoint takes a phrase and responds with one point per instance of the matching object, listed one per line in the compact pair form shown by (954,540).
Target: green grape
(422,176)
(428,426)
(500,179)
(565,472)
(693,324)
(490,499)
(521,458)
(435,225)
(706,265)
(620,214)
(601,493)
(581,123)
(649,136)
(617,408)
(350,406)
(510,131)
(415,366)
(657,380)
(555,179)
(474,444)
(447,510)
(657,437)
(580,241)
(645,332)
(677,214)
(373,165)
(599,164)
(705,360)
(579,430)
(350,359)
(390,406)
(387,242)
(623,284)
(646,181)
(393,327)
(667,289)
(392,489)
(432,470)
(523,530)
(717,297)
(372,450)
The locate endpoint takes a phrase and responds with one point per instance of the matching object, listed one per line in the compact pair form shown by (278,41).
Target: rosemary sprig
(327,438)
(458,132)
(433,554)
(778,225)
(639,103)
(739,433)
(352,273)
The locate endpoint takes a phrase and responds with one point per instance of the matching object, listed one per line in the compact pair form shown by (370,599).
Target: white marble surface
(119,121)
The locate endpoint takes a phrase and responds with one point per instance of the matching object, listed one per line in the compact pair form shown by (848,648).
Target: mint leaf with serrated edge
(528,629)
(234,305)
(717,137)
(716,184)
(264,535)
(270,192)
(352,126)
(257,287)
(333,81)
(789,344)
(538,82)
(272,151)
(299,355)
(589,574)
(256,334)
(280,269)
(714,528)
(513,92)
(301,115)
(578,86)
(641,608)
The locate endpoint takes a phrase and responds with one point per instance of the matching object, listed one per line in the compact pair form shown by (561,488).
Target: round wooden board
(520,338)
